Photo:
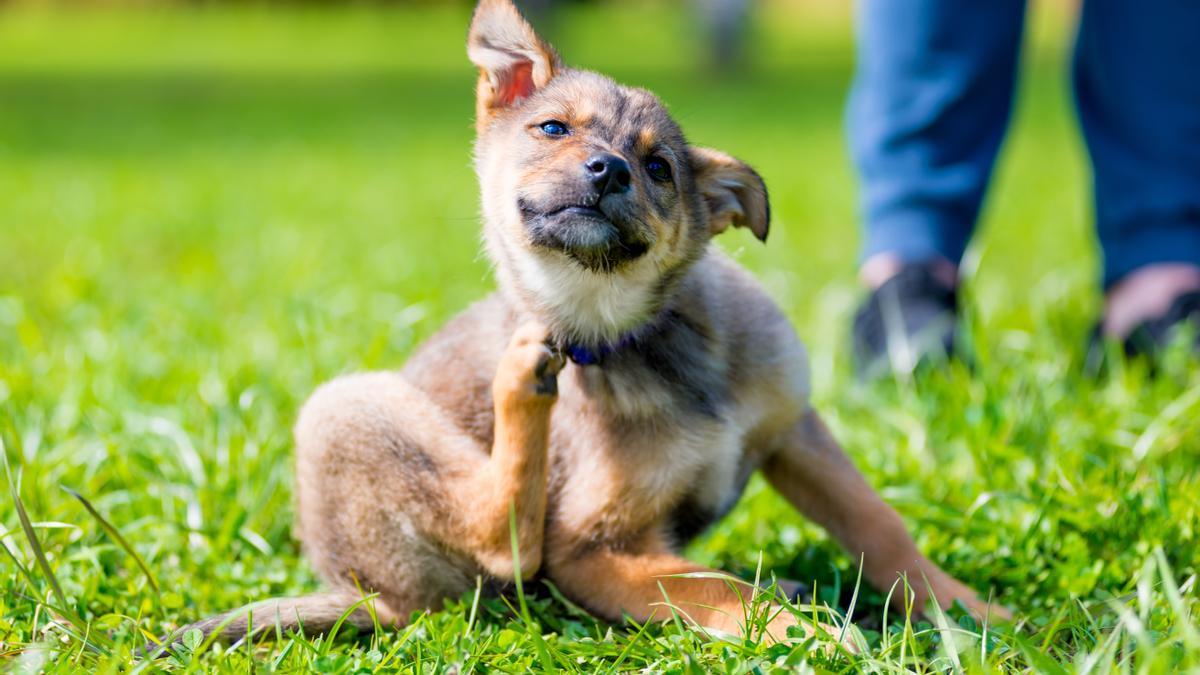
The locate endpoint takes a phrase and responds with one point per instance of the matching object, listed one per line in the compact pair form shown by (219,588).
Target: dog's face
(594,202)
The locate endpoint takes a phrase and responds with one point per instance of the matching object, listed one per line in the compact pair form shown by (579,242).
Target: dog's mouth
(580,210)
(587,233)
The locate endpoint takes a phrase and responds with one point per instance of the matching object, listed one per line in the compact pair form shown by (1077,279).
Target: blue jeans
(931,100)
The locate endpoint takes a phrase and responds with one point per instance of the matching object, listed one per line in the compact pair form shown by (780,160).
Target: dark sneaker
(1151,338)
(909,319)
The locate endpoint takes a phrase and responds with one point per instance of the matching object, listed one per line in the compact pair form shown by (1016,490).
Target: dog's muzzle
(587,234)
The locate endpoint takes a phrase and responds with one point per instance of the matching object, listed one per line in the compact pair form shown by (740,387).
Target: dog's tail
(315,614)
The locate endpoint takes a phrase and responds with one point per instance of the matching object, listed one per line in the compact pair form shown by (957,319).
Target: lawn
(205,213)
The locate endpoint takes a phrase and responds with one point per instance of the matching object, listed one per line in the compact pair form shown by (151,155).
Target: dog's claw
(547,370)
(531,364)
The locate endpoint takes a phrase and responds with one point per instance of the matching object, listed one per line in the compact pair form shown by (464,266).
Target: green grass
(206,213)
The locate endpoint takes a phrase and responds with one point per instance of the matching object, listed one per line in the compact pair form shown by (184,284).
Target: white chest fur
(588,304)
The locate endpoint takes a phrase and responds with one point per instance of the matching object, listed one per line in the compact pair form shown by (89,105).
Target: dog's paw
(782,628)
(949,591)
(985,612)
(529,367)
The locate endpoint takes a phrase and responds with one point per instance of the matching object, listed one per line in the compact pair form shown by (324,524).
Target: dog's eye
(553,128)
(658,169)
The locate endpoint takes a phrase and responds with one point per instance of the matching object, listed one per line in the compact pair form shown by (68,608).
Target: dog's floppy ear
(513,61)
(733,192)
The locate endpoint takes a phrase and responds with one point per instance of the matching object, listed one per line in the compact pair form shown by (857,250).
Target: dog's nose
(609,174)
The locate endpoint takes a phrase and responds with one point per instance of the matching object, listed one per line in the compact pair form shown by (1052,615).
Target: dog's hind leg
(395,499)
(394,496)
(648,582)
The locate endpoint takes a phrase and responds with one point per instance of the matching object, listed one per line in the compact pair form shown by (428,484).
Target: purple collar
(590,356)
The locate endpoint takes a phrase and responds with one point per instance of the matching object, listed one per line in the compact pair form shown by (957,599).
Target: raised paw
(530,366)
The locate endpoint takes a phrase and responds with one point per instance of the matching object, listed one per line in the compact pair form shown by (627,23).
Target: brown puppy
(683,379)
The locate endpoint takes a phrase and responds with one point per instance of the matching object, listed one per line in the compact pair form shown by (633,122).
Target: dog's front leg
(514,477)
(813,473)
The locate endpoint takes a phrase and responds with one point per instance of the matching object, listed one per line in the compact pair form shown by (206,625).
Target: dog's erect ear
(513,61)
(733,192)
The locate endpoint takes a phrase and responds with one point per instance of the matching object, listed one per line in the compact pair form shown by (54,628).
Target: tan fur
(405,481)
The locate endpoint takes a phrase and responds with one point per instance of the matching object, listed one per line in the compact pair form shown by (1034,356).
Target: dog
(602,408)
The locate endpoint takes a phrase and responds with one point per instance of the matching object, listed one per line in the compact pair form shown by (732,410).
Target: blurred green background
(321,156)
(207,210)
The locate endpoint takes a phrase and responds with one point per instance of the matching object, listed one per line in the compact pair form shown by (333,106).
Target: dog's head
(594,202)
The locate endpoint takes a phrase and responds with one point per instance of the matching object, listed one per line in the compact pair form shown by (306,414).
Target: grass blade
(633,641)
(20,568)
(64,609)
(535,632)
(35,545)
(853,601)
(337,625)
(112,532)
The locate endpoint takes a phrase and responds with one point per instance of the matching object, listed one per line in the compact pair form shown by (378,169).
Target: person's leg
(724,26)
(1138,93)
(931,99)
(929,106)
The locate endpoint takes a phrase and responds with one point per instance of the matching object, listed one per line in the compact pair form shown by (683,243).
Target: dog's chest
(612,483)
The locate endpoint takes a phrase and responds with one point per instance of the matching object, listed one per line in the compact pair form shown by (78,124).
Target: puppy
(612,398)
